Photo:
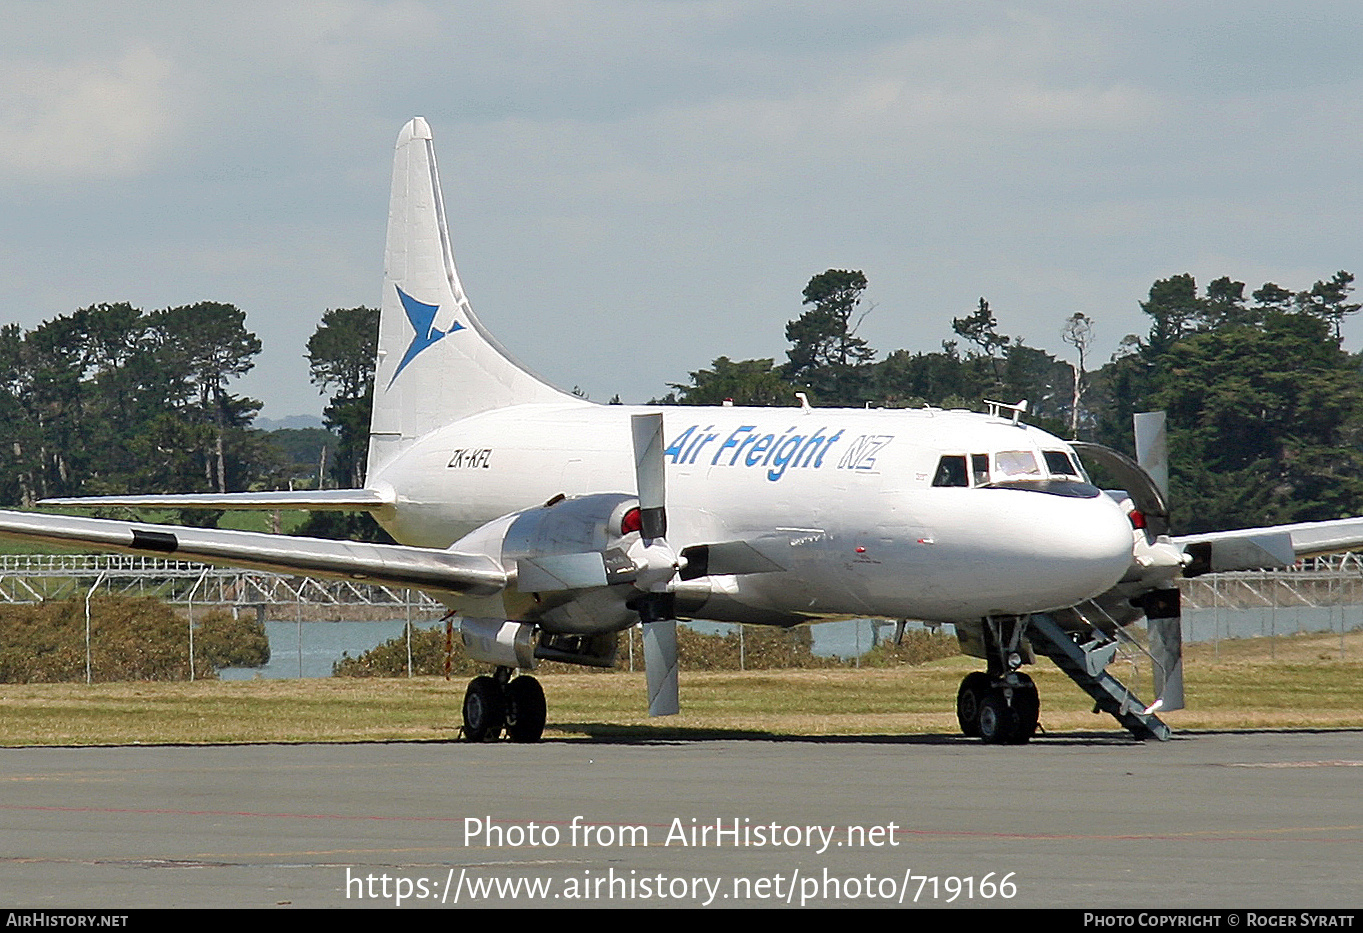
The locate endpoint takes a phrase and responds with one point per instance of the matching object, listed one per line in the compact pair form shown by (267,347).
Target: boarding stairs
(1087,664)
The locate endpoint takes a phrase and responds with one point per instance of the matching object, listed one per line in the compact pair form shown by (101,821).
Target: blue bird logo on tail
(422,318)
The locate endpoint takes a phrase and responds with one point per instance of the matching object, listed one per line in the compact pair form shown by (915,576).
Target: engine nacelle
(578,525)
(569,564)
(580,541)
(499,642)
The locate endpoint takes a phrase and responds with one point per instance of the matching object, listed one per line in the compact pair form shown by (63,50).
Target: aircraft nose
(1090,542)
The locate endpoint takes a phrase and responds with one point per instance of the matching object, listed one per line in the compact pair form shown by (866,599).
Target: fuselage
(926,514)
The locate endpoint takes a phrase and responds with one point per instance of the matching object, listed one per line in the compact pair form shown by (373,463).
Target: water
(325,642)
(323,645)
(1261,621)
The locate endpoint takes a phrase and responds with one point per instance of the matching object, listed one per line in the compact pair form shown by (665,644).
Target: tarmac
(1095,820)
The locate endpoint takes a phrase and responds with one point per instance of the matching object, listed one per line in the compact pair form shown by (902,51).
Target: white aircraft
(550,524)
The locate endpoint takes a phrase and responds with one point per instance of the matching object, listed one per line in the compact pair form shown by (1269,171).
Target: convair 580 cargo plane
(550,524)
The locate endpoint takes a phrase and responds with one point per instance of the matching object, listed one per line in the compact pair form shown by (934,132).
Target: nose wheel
(1001,711)
(498,703)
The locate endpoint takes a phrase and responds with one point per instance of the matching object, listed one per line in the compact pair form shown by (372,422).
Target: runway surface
(1207,820)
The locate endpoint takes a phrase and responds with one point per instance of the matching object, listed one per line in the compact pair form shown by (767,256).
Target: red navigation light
(631,522)
(1137,518)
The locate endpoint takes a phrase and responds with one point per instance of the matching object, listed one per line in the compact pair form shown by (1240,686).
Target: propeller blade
(1164,626)
(726,557)
(1152,447)
(658,612)
(649,476)
(1240,552)
(660,666)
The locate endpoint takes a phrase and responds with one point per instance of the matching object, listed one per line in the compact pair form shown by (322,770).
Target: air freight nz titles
(749,446)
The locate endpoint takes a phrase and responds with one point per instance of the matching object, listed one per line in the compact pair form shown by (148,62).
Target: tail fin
(436,362)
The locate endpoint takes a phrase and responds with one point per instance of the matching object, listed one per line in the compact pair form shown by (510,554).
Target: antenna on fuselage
(996,409)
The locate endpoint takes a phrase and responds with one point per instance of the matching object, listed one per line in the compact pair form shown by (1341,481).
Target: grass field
(1296,682)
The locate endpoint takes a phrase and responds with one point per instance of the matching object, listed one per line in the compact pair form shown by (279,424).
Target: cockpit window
(951,472)
(1059,463)
(1015,464)
(979,468)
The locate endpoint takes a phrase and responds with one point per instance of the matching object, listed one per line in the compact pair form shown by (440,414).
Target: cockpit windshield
(1059,463)
(1015,464)
(1015,469)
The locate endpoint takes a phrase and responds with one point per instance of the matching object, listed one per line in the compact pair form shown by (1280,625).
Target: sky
(637,188)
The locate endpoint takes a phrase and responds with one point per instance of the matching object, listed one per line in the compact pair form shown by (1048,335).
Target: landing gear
(1002,712)
(494,703)
(1000,705)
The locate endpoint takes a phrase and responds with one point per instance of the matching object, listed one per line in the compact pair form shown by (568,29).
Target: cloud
(80,120)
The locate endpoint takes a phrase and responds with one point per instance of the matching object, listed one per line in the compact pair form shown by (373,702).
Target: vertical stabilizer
(436,362)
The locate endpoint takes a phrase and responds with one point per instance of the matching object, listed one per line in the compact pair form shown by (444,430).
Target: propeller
(657,565)
(1161,560)
(1163,606)
(649,564)
(1158,562)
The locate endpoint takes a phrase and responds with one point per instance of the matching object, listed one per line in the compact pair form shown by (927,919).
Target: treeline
(1265,406)
(111,399)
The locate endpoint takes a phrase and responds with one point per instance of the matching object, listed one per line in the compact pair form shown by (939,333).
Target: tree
(341,356)
(1329,300)
(825,335)
(204,346)
(980,329)
(1175,310)
(1225,304)
(1272,298)
(1078,333)
(745,382)
(1263,424)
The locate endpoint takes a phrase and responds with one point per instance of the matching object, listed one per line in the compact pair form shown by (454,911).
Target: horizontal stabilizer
(358,500)
(394,565)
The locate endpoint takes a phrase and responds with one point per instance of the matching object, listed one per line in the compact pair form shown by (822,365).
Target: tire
(525,710)
(484,710)
(973,690)
(998,722)
(1027,709)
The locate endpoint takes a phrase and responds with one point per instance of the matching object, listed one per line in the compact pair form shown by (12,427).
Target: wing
(357,500)
(1280,544)
(437,572)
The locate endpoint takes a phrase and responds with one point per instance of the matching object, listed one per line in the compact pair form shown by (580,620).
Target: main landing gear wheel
(484,710)
(525,709)
(973,690)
